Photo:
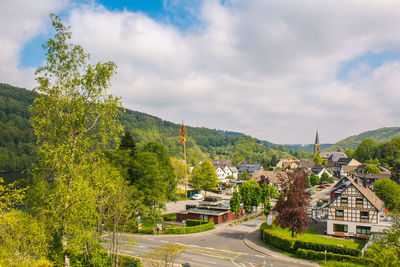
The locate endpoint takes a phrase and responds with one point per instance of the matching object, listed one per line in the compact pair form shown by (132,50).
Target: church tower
(317,145)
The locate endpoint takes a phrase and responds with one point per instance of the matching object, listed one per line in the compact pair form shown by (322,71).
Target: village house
(251,168)
(287,164)
(273,177)
(319,170)
(354,210)
(224,168)
(332,157)
(368,179)
(344,165)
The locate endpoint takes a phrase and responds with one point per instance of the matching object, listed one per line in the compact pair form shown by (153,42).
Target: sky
(276,70)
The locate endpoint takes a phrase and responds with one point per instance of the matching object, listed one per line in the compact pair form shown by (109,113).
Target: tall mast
(183,136)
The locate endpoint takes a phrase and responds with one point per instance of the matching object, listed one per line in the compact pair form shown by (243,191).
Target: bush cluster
(193,226)
(329,248)
(129,261)
(169,217)
(191,229)
(193,222)
(248,218)
(320,256)
(310,250)
(277,241)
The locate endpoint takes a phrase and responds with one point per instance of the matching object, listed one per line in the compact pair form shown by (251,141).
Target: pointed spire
(317,138)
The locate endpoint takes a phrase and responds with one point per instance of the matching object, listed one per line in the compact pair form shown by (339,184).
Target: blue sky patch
(373,60)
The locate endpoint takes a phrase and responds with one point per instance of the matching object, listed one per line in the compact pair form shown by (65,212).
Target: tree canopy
(292,203)
(204,176)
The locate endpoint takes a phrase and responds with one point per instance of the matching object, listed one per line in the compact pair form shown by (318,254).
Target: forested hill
(17,140)
(380,135)
(307,148)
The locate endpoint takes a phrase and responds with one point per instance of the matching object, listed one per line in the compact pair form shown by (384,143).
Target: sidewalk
(253,241)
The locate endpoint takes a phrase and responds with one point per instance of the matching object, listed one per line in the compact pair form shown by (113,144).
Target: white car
(198,197)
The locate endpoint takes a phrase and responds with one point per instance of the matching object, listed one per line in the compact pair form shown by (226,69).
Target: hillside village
(90,183)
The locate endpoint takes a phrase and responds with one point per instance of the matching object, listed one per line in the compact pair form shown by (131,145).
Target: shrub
(322,247)
(320,256)
(128,261)
(169,217)
(191,229)
(193,222)
(280,242)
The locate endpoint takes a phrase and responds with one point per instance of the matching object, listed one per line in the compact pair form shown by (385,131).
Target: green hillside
(17,141)
(381,135)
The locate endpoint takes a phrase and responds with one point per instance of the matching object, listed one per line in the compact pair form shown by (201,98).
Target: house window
(343,228)
(359,201)
(339,213)
(343,200)
(363,230)
(364,214)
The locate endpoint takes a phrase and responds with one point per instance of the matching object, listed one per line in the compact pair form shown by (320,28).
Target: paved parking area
(174,207)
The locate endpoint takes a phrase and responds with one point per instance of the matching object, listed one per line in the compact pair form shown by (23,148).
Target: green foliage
(314,179)
(165,255)
(349,152)
(379,135)
(317,159)
(277,241)
(326,178)
(23,238)
(371,169)
(17,140)
(245,175)
(320,256)
(329,248)
(396,171)
(204,176)
(382,255)
(367,150)
(74,120)
(196,228)
(234,202)
(169,217)
(388,191)
(250,193)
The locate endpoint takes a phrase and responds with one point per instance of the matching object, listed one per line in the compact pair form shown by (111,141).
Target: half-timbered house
(354,210)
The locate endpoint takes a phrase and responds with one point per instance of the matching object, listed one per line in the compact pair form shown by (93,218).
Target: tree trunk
(64,247)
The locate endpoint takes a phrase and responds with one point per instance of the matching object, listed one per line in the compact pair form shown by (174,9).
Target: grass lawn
(309,236)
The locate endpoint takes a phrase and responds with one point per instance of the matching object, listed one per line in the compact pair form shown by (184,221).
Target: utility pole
(183,136)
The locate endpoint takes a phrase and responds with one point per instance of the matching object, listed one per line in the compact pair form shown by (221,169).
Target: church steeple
(317,138)
(317,145)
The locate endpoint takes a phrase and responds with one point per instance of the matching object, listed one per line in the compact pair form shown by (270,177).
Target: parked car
(217,190)
(310,192)
(198,197)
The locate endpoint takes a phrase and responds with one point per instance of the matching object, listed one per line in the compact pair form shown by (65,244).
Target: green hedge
(280,242)
(320,256)
(322,247)
(169,217)
(190,229)
(193,226)
(127,261)
(193,222)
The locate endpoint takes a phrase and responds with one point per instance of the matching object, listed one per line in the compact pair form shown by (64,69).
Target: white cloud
(265,68)
(20,22)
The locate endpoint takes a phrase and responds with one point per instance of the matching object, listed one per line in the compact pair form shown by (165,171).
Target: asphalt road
(221,247)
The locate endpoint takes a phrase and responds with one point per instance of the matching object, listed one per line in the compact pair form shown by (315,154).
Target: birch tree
(73,119)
